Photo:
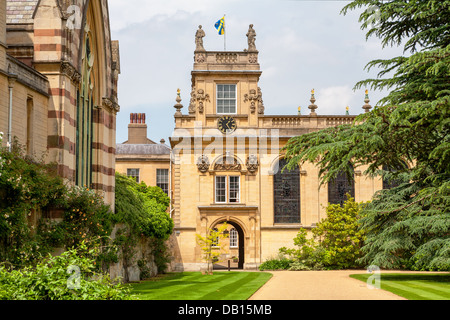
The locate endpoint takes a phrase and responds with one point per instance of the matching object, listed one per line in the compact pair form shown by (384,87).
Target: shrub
(276,264)
(70,276)
(340,236)
(336,242)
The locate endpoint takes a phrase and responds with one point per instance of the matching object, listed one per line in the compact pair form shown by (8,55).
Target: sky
(303,45)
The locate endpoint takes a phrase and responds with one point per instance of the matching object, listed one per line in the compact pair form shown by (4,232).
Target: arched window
(85,107)
(233,238)
(286,189)
(339,188)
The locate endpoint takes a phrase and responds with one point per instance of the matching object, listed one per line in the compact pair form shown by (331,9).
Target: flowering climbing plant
(31,196)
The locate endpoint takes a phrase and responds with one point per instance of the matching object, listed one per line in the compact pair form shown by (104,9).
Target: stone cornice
(70,71)
(110,105)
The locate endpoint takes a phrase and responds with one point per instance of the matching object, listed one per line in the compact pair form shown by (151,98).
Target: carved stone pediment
(227,164)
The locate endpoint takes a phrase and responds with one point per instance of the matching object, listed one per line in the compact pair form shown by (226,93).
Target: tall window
(234,189)
(85,107)
(233,238)
(162,179)
(133,173)
(339,188)
(227,189)
(226,99)
(286,194)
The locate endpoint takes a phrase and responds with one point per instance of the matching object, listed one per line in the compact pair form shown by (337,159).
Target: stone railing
(225,58)
(294,122)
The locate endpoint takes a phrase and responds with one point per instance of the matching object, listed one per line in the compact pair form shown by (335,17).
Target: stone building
(143,159)
(58,86)
(227,155)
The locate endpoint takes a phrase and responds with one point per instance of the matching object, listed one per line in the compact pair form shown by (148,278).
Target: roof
(20,11)
(142,149)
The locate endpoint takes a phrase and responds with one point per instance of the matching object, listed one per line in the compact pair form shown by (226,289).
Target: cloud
(334,99)
(302,45)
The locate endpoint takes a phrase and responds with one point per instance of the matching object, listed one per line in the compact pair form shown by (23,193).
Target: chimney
(137,129)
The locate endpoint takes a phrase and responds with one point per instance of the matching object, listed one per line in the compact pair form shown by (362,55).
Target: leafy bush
(276,264)
(142,212)
(70,276)
(143,208)
(336,242)
(340,235)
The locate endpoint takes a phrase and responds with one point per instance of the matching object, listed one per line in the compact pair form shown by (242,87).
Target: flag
(220,26)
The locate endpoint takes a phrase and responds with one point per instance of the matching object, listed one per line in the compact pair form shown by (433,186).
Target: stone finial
(199,39)
(251,35)
(347,112)
(178,106)
(300,111)
(367,107)
(313,106)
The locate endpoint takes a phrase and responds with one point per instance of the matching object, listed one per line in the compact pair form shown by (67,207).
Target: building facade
(227,155)
(141,158)
(58,86)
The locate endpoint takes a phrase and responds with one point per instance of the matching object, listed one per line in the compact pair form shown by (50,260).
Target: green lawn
(414,286)
(195,286)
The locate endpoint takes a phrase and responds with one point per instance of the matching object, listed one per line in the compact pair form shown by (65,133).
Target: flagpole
(225,34)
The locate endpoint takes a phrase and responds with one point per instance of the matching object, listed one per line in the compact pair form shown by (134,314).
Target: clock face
(227,125)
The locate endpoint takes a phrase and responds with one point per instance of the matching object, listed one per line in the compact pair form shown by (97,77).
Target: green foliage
(70,276)
(275,264)
(308,255)
(143,208)
(161,254)
(85,218)
(341,236)
(405,225)
(31,192)
(336,242)
(142,211)
(211,245)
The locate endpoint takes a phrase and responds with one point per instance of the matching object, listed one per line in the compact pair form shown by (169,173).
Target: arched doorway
(235,247)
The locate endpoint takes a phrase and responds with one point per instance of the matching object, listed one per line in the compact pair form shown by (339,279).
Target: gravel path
(319,285)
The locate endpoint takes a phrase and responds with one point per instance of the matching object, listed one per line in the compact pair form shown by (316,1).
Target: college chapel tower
(226,164)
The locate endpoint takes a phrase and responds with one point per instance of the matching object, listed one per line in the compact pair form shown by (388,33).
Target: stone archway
(240,250)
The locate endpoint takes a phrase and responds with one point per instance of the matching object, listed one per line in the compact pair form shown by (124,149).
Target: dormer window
(226,99)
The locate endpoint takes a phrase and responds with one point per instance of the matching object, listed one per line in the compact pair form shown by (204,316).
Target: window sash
(134,173)
(227,189)
(221,189)
(226,99)
(233,238)
(162,179)
(234,189)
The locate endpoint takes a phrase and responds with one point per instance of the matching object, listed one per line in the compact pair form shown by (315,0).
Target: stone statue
(199,39)
(251,35)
